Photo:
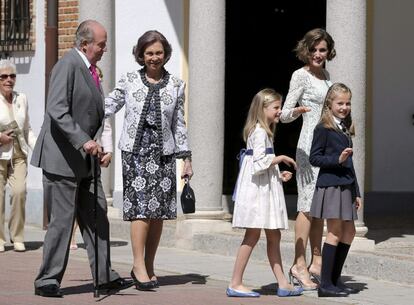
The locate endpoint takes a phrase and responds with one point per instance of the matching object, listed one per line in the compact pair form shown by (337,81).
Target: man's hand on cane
(93,148)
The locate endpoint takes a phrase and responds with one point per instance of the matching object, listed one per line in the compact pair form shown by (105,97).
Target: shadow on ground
(270,289)
(380,235)
(113,244)
(87,287)
(181,279)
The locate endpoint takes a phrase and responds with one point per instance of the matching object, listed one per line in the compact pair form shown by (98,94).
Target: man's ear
(83,46)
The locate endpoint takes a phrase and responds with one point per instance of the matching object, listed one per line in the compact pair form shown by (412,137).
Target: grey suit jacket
(74,115)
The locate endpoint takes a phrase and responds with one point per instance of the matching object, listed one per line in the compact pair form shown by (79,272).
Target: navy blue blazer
(327,146)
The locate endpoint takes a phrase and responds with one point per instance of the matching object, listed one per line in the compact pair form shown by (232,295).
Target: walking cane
(95,195)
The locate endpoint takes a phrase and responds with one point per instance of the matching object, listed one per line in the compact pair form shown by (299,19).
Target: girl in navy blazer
(337,196)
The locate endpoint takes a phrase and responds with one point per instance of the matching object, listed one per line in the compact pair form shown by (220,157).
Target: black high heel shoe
(155,282)
(145,286)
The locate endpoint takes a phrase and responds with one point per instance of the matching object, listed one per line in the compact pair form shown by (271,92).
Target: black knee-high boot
(327,288)
(341,254)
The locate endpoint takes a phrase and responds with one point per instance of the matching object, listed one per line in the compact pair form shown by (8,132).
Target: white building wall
(31,81)
(392,100)
(132,19)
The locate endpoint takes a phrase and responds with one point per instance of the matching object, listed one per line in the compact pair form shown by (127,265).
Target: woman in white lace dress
(308,87)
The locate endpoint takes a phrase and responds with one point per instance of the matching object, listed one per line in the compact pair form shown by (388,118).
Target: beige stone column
(206,116)
(206,100)
(103,11)
(346,22)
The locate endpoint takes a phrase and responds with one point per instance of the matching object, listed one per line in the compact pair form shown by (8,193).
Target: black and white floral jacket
(135,92)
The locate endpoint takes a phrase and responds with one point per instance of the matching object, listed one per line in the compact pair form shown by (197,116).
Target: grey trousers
(66,199)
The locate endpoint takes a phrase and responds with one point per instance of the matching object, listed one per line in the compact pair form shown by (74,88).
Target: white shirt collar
(337,121)
(85,60)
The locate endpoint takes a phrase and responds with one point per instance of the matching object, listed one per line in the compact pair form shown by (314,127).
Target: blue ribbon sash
(240,156)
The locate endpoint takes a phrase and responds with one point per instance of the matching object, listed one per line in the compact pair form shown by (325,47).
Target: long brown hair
(327,118)
(261,100)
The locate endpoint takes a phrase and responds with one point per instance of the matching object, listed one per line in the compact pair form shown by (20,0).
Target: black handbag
(187,198)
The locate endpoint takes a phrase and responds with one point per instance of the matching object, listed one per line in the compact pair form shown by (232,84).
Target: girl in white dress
(259,198)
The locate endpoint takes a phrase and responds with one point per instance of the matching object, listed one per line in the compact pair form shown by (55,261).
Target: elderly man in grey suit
(68,139)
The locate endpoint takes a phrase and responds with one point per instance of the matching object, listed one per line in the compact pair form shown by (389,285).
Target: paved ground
(186,277)
(19,270)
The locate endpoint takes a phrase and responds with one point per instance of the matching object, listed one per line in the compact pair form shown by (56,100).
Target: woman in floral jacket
(153,136)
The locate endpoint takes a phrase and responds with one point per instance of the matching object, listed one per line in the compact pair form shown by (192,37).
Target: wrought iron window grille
(15,26)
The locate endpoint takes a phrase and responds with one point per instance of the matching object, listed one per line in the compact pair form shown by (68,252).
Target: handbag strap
(187,180)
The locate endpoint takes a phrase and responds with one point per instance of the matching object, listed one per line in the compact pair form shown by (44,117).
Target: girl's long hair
(261,100)
(327,118)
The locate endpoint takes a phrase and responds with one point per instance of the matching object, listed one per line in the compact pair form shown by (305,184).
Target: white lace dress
(260,201)
(305,90)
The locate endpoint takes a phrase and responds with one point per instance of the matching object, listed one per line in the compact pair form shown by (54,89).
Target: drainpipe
(51,38)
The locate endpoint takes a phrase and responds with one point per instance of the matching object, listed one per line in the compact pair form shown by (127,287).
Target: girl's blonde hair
(327,118)
(261,100)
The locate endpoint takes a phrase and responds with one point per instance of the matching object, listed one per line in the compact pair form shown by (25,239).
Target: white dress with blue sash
(259,198)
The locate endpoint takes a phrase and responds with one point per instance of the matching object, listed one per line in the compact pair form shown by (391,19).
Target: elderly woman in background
(16,137)
(153,136)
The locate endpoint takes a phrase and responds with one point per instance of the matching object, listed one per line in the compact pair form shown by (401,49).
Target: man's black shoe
(117,284)
(49,291)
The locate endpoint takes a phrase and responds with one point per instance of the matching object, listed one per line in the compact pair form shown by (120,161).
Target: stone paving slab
(392,259)
(186,277)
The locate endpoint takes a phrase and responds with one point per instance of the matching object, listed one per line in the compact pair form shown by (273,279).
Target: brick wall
(68,20)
